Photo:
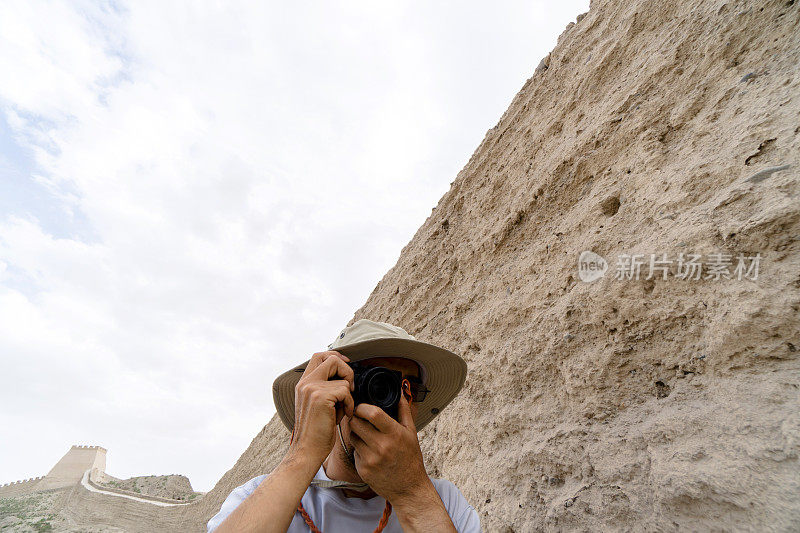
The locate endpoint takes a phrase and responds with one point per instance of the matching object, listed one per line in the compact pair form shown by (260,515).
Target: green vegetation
(42,525)
(20,507)
(29,509)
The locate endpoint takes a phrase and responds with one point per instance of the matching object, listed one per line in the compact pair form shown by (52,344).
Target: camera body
(377,385)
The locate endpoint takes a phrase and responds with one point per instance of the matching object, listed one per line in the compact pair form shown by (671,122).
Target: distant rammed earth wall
(72,503)
(67,472)
(70,469)
(22,486)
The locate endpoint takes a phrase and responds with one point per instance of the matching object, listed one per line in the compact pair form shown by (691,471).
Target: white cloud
(235,179)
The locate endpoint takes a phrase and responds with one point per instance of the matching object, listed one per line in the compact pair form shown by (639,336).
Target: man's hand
(389,459)
(320,404)
(387,453)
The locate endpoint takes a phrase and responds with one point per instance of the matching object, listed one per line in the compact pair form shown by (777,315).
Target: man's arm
(272,505)
(319,405)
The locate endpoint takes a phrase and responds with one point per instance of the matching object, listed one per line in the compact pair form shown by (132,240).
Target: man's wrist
(420,494)
(422,510)
(301,462)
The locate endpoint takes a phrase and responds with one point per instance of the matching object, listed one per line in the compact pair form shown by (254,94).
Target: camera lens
(383,388)
(378,390)
(377,386)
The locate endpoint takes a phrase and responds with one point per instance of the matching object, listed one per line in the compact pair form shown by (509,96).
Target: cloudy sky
(195,196)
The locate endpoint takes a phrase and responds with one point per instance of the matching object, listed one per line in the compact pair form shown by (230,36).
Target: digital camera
(377,385)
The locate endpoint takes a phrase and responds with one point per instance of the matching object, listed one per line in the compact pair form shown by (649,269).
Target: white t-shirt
(332,512)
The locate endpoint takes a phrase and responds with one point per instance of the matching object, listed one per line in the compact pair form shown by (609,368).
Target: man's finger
(376,416)
(358,445)
(405,417)
(362,429)
(320,357)
(340,389)
(355,440)
(334,365)
(314,362)
(349,403)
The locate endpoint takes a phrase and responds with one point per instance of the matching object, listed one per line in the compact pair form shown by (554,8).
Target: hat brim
(445,373)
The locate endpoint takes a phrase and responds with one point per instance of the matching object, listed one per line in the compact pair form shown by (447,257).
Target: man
(354,468)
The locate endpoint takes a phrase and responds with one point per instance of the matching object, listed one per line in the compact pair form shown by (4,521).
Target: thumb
(404,415)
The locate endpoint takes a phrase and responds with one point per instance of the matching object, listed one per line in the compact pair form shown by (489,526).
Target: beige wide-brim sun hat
(442,371)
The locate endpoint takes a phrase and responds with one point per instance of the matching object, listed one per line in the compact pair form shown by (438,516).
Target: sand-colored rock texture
(643,405)
(619,404)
